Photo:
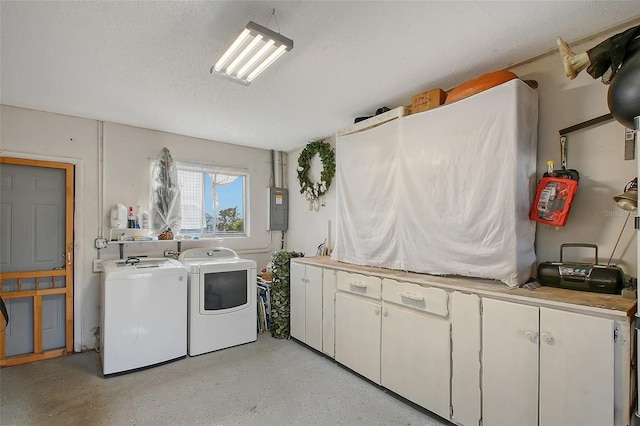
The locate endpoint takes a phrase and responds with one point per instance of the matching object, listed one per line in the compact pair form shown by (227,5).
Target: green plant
(280,293)
(314,190)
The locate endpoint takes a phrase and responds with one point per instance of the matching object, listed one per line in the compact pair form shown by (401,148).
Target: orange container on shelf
(479,84)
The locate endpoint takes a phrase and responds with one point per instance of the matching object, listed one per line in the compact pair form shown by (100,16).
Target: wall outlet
(97,265)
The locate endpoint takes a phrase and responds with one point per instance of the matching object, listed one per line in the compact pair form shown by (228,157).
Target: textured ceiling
(147,63)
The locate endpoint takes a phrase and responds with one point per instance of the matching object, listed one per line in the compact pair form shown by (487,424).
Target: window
(212,199)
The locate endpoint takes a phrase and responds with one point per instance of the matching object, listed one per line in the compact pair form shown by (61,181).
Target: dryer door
(224,288)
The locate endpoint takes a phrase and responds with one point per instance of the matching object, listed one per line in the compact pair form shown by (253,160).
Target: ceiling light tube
(275,55)
(231,50)
(243,54)
(249,55)
(267,33)
(255,58)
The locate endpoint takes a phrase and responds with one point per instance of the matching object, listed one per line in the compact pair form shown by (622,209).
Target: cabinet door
(576,369)
(358,335)
(297,301)
(328,309)
(509,363)
(416,358)
(313,307)
(465,358)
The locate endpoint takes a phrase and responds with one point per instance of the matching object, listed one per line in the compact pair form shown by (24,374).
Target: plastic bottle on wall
(145,220)
(131,219)
(138,217)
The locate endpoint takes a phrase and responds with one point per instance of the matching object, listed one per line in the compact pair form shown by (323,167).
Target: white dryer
(222,299)
(143,317)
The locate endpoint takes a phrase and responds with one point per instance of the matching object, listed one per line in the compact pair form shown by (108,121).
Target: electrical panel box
(278,209)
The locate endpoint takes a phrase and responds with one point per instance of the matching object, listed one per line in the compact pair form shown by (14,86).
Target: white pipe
(283,181)
(636,125)
(100,181)
(258,250)
(100,178)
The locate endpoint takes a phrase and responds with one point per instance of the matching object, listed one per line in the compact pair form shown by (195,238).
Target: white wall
(597,153)
(37,135)
(309,228)
(126,153)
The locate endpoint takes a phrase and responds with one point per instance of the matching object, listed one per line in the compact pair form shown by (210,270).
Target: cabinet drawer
(359,284)
(427,299)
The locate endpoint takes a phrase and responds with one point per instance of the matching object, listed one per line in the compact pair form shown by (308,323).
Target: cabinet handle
(531,335)
(358,284)
(412,296)
(385,313)
(548,338)
(377,311)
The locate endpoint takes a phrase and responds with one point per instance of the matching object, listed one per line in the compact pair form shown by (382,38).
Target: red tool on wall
(558,187)
(554,196)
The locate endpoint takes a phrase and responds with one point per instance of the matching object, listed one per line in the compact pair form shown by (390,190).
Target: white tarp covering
(444,192)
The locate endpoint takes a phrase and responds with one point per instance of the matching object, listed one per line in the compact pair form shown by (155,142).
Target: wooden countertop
(615,305)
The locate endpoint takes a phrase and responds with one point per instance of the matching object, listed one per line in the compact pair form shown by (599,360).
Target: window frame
(210,168)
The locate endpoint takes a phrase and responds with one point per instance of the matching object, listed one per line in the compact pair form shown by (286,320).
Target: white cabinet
(358,324)
(466,333)
(470,352)
(328,311)
(415,359)
(576,369)
(358,335)
(509,363)
(297,309)
(545,366)
(400,342)
(306,322)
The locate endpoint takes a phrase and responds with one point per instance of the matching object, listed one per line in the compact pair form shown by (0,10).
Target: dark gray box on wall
(278,209)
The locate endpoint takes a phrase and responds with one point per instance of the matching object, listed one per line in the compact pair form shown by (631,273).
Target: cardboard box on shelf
(427,100)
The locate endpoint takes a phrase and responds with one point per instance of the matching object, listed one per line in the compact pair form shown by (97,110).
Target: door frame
(78,233)
(37,294)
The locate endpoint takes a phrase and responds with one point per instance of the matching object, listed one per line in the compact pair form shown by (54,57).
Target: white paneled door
(466,333)
(358,335)
(313,307)
(297,289)
(509,363)
(576,369)
(416,360)
(306,304)
(36,259)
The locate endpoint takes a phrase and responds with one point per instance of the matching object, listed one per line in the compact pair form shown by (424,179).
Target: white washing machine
(143,318)
(222,299)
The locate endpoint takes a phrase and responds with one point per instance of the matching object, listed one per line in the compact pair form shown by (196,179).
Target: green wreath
(313,190)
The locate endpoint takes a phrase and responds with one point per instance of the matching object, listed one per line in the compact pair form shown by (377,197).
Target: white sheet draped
(443,192)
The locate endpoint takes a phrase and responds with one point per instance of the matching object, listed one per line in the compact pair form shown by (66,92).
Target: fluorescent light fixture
(251,53)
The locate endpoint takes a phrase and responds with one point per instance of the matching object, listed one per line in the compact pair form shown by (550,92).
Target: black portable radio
(581,276)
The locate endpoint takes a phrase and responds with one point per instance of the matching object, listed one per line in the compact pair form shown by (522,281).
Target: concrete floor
(269,382)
